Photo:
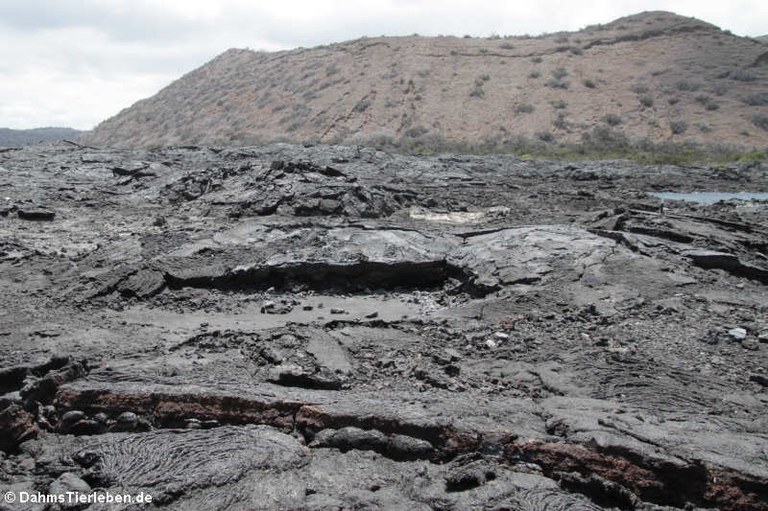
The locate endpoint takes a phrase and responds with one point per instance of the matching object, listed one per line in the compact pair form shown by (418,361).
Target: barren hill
(10,137)
(655,76)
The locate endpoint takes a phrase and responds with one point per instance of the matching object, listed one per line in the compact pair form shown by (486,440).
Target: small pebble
(737,334)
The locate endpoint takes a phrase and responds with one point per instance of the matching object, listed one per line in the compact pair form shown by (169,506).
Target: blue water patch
(707,198)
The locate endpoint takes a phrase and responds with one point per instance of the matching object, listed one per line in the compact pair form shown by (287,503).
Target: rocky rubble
(336,327)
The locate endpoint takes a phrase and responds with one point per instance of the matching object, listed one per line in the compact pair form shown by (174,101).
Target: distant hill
(763,39)
(653,76)
(10,138)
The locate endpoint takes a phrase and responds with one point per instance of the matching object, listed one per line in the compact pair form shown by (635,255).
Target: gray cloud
(132,21)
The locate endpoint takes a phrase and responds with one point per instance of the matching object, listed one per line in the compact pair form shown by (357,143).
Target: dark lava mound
(334,328)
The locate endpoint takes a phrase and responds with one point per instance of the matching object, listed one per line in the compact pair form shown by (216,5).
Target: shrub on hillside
(687,85)
(678,127)
(742,75)
(707,102)
(758,99)
(558,84)
(545,136)
(561,122)
(362,105)
(524,108)
(477,92)
(559,104)
(612,119)
(761,121)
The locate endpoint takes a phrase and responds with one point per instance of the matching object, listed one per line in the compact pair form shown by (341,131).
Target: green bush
(589,84)
(646,101)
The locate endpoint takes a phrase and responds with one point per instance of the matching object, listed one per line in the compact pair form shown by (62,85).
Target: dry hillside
(654,76)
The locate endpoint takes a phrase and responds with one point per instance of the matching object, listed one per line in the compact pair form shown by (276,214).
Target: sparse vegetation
(612,119)
(332,70)
(416,131)
(707,102)
(534,75)
(720,89)
(575,50)
(362,105)
(600,143)
(687,85)
(742,75)
(646,101)
(525,108)
(758,99)
(560,122)
(639,88)
(507,46)
(589,84)
(545,136)
(559,73)
(761,121)
(558,84)
(559,104)
(678,127)
(537,60)
(477,92)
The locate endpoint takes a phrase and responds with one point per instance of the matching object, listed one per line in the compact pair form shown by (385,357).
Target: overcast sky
(77,62)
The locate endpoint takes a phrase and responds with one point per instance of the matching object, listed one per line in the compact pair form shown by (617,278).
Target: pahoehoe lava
(330,327)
